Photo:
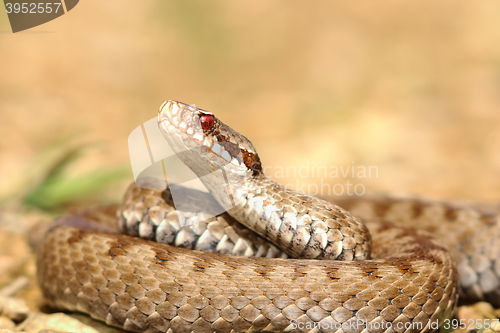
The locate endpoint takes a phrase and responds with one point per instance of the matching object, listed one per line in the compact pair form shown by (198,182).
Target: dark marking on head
(167,196)
(252,162)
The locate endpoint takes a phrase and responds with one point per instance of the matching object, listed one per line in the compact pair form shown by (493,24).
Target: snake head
(204,143)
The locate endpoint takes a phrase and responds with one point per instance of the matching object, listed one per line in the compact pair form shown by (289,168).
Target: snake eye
(206,121)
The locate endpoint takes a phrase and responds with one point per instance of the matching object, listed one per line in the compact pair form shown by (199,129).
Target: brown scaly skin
(410,284)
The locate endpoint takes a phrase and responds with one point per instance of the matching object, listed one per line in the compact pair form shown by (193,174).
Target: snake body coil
(407,283)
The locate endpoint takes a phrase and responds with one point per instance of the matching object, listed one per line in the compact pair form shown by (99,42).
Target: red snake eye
(206,121)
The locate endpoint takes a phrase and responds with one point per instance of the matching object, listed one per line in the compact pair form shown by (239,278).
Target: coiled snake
(407,283)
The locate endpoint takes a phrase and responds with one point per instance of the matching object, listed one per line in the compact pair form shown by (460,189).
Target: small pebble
(14,308)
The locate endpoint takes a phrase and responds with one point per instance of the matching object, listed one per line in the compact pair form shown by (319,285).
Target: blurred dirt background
(412,88)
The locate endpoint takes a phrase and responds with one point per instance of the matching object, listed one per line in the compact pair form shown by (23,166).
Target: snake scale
(378,264)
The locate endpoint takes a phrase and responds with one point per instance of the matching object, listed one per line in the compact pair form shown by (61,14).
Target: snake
(275,260)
